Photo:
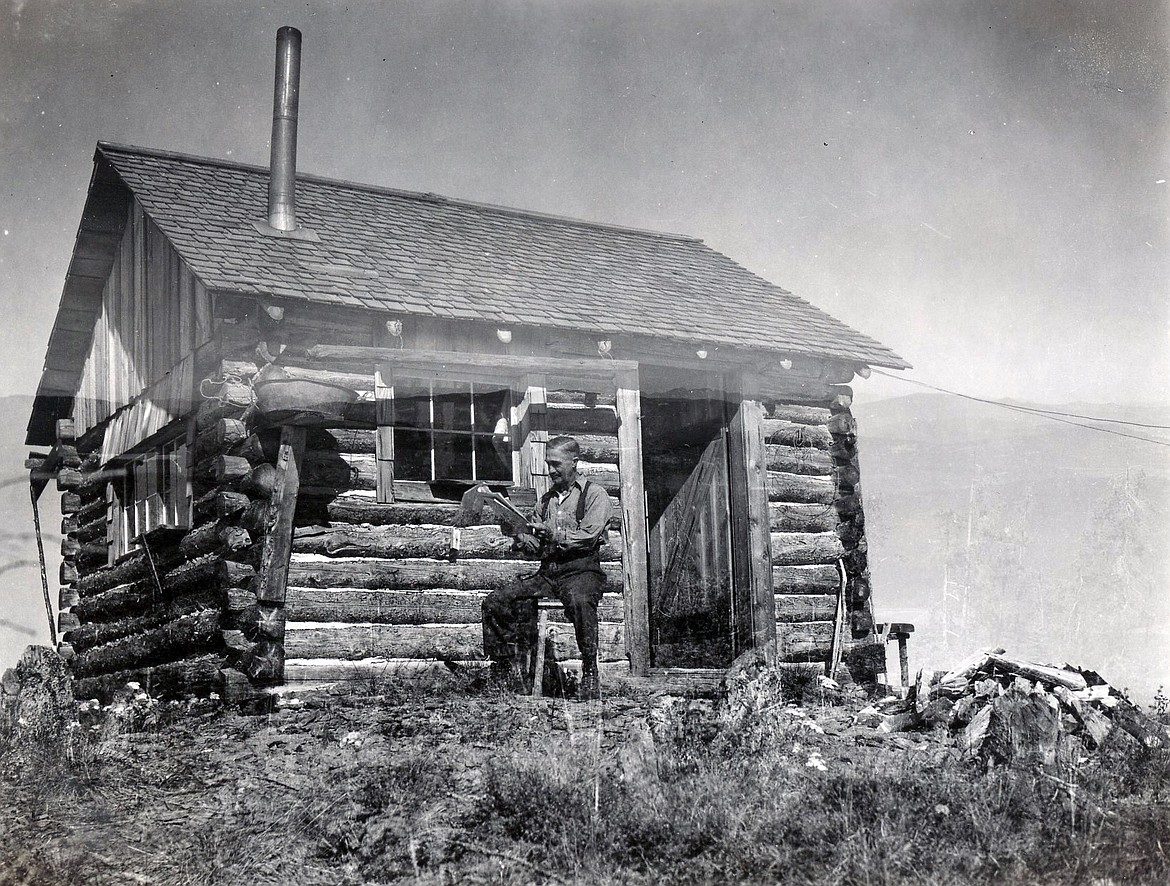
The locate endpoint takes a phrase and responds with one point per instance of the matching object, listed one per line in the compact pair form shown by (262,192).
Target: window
(451,431)
(153,492)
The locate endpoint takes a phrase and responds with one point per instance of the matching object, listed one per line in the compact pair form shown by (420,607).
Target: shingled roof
(422,254)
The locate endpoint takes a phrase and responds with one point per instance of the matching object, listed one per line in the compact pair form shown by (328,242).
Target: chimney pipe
(285,104)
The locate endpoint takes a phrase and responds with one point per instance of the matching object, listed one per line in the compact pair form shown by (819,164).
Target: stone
(42,707)
(937,712)
(638,756)
(963,710)
(1022,729)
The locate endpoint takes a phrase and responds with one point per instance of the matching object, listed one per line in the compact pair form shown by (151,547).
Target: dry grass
(872,818)
(399,785)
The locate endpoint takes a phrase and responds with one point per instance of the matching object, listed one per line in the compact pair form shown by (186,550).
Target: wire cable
(1049,414)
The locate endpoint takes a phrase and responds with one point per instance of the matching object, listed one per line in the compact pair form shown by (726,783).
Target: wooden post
(541,642)
(516,417)
(534,435)
(41,558)
(903,659)
(282,504)
(754,603)
(635,569)
(384,441)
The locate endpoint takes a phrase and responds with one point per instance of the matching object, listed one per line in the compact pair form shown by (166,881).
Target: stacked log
(83,532)
(397,585)
(162,614)
(819,569)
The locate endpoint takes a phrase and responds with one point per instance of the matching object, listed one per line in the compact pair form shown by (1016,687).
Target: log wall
(820,572)
(388,586)
(160,615)
(384,585)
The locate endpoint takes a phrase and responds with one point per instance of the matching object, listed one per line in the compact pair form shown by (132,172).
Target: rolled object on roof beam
(285,105)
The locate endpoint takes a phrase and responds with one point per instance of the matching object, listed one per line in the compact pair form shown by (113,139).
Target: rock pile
(1010,710)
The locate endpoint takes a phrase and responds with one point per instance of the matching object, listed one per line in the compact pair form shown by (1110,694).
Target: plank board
(282,503)
(753,608)
(634,553)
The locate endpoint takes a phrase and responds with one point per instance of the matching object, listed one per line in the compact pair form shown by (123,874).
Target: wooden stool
(901,632)
(543,608)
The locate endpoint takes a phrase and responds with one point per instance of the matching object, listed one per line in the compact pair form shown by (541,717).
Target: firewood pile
(1004,709)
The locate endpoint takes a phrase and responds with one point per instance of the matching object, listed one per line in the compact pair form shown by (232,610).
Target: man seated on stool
(567,531)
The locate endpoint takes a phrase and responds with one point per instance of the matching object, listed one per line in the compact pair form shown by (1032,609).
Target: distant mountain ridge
(960,416)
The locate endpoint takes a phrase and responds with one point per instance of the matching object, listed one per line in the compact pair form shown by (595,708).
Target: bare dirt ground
(402,784)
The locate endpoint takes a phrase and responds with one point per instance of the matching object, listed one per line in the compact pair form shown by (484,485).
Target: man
(567,532)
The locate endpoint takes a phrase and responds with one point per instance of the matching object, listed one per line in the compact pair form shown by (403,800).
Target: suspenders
(548,496)
(580,514)
(581,503)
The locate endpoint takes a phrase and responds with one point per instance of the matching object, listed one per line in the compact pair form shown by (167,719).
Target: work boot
(590,687)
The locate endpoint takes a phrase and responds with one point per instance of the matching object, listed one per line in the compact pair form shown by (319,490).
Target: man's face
(562,468)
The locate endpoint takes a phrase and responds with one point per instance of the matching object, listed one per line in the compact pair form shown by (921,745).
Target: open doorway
(685,470)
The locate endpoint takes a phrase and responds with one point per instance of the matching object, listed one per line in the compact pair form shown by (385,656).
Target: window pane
(452,406)
(452,456)
(412,405)
(412,455)
(490,407)
(164,469)
(493,458)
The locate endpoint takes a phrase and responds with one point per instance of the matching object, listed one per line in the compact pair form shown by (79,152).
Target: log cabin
(265,393)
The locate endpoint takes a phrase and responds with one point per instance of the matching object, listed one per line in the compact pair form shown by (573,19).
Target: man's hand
(541,531)
(529,544)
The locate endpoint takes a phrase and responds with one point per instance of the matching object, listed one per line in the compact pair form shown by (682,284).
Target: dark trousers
(509,613)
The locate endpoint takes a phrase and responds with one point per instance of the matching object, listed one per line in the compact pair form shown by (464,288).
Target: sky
(980,186)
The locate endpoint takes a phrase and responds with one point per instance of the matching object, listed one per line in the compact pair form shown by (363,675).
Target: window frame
(526,419)
(151,491)
(436,431)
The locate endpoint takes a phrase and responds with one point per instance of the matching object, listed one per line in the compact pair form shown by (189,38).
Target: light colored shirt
(559,514)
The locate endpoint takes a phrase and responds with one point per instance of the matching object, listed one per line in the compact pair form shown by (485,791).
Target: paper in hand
(472,505)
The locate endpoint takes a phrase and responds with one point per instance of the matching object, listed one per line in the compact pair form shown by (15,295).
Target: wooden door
(684,454)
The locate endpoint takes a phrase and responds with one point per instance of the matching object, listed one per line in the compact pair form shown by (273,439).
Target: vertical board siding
(154,313)
(755,609)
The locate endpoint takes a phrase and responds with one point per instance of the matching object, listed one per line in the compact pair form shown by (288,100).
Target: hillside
(1065,559)
(789,781)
